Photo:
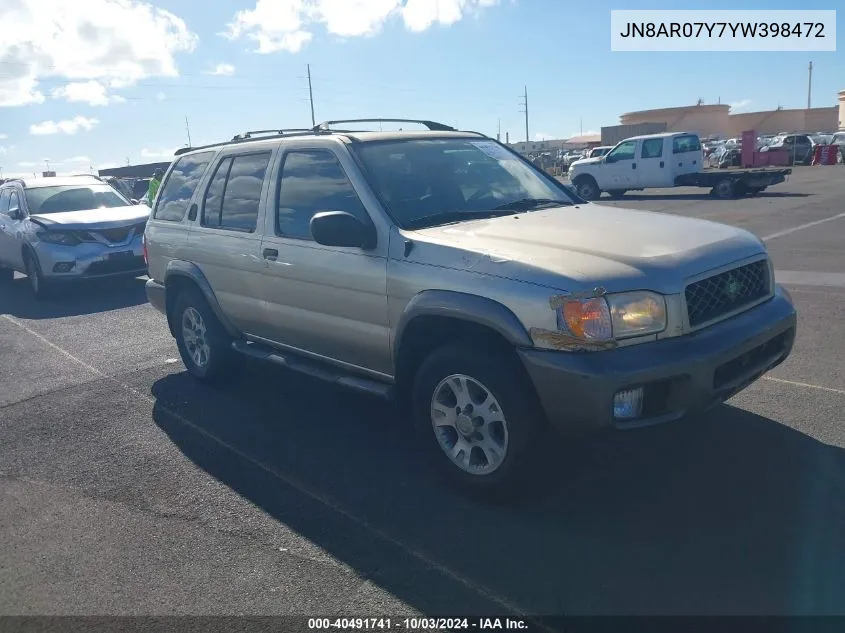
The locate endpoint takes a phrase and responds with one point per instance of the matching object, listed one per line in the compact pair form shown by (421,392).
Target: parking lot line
(804,384)
(295,484)
(801,227)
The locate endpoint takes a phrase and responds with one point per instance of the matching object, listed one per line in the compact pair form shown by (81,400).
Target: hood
(578,248)
(587,161)
(102,218)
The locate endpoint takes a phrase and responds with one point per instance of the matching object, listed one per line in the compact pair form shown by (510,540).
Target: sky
(91,84)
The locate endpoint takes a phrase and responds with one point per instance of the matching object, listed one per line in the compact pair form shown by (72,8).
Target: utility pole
(810,86)
(499,131)
(581,124)
(524,104)
(311,96)
(188,130)
(507,138)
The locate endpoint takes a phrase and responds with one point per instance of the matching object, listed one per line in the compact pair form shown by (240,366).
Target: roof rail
(325,126)
(282,132)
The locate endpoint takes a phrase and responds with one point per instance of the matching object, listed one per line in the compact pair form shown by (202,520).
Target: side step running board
(314,369)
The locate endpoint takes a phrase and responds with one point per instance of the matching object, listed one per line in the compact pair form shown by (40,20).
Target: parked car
(599,151)
(799,147)
(672,159)
(58,230)
(489,303)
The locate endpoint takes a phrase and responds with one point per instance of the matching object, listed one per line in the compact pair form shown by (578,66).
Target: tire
(7,275)
(203,344)
(616,193)
(511,427)
(724,188)
(37,284)
(587,188)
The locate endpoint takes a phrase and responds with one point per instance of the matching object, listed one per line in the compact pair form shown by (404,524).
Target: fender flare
(179,268)
(465,307)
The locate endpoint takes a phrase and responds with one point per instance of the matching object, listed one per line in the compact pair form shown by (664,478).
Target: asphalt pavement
(127,488)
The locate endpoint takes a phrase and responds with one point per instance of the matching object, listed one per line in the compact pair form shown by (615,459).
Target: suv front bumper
(90,261)
(680,375)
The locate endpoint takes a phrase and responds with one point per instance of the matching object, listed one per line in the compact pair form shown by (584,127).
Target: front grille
(119,265)
(116,236)
(726,292)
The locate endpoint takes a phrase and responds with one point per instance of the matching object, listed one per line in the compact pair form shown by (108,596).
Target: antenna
(524,104)
(499,131)
(188,130)
(311,96)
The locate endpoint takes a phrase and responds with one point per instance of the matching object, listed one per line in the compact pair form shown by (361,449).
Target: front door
(619,167)
(328,301)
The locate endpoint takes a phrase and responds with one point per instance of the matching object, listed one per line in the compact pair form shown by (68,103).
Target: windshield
(429,182)
(59,199)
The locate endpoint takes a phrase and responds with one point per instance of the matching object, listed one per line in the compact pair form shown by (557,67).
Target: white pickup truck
(665,160)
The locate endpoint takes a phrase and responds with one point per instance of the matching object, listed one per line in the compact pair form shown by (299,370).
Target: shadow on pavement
(731,513)
(72,299)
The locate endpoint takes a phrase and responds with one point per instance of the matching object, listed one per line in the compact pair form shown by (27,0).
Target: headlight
(613,316)
(58,237)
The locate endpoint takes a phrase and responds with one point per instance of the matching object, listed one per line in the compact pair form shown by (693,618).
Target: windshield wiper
(532,203)
(448,217)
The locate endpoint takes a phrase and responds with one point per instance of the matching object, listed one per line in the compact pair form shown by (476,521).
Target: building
(842,109)
(134,171)
(549,145)
(716,120)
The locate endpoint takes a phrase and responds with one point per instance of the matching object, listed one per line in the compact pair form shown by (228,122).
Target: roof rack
(283,132)
(325,126)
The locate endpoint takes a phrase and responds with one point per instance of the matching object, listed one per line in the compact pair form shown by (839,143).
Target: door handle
(192,212)
(661,164)
(270,253)
(633,165)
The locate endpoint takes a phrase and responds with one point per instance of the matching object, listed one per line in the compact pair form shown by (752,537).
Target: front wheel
(586,187)
(479,416)
(37,283)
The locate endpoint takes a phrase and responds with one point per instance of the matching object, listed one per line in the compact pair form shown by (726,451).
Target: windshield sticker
(493,150)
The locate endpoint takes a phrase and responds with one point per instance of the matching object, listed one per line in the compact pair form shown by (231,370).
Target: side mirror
(16,214)
(134,201)
(338,228)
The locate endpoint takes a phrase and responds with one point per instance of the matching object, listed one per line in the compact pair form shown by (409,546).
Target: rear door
(12,230)
(225,238)
(653,168)
(686,155)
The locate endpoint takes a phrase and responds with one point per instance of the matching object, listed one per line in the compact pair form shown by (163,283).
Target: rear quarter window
(686,143)
(182,181)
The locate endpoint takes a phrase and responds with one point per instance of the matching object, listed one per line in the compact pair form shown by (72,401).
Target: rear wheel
(479,418)
(203,344)
(586,187)
(724,188)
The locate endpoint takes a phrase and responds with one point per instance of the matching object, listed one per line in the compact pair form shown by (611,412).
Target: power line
(524,104)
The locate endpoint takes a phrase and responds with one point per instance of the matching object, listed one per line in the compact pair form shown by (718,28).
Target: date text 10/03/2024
(416,624)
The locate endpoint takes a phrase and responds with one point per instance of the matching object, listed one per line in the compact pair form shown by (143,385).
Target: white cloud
(27,163)
(586,133)
(3,136)
(68,126)
(90,92)
(539,136)
(117,42)
(78,159)
(157,153)
(161,96)
(3,150)
(742,104)
(224,70)
(287,25)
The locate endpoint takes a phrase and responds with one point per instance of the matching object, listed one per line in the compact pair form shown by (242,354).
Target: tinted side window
(234,194)
(313,181)
(652,148)
(177,190)
(4,201)
(213,200)
(686,143)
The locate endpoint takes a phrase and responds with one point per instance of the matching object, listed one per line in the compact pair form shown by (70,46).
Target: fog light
(628,404)
(63,267)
